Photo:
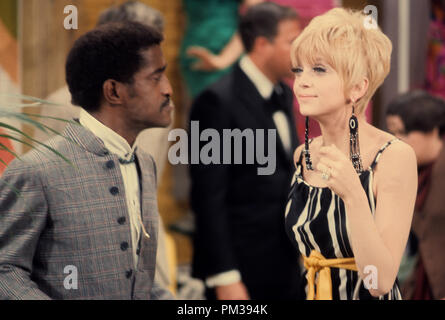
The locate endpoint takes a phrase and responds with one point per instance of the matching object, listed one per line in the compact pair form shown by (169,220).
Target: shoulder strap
(379,153)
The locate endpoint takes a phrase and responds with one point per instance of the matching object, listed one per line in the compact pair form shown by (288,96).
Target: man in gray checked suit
(88,230)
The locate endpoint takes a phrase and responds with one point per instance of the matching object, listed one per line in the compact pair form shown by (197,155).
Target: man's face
(418,140)
(148,101)
(395,126)
(280,62)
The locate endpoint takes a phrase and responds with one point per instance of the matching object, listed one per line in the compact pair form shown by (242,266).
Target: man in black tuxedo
(240,245)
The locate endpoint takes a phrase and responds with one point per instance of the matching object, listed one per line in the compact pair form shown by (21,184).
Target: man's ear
(435,132)
(114,91)
(260,44)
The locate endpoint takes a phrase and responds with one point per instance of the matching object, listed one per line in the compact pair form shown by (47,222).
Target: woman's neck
(335,129)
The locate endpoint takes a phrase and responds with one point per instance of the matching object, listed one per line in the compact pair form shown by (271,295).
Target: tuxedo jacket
(240,214)
(69,225)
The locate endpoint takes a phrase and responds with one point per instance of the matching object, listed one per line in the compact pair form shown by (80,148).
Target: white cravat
(120,147)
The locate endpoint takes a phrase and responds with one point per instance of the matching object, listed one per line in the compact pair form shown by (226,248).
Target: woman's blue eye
(319,69)
(297,70)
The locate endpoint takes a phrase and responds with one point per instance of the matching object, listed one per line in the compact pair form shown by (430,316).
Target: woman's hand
(207,61)
(343,179)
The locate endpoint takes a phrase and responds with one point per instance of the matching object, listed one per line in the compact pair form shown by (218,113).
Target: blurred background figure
(418,118)
(202,59)
(211,43)
(240,247)
(210,47)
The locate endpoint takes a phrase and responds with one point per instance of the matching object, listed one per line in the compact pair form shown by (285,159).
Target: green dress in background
(210,24)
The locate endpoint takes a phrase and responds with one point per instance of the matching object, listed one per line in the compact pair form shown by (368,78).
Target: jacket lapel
(149,207)
(254,102)
(251,99)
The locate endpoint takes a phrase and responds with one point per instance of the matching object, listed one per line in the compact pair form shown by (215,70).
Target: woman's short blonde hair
(354,50)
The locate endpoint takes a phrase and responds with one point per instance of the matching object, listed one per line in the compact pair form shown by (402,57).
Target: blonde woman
(353,192)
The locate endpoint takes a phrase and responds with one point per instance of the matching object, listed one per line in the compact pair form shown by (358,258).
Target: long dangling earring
(354,146)
(307,154)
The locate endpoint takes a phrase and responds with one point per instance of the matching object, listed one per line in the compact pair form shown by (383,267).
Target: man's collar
(264,86)
(112,141)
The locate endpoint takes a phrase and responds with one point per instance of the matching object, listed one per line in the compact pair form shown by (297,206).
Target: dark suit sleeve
(22,219)
(213,252)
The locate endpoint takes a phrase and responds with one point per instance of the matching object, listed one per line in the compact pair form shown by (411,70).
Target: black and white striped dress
(316,220)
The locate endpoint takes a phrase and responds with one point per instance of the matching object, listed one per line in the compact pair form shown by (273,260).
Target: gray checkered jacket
(74,219)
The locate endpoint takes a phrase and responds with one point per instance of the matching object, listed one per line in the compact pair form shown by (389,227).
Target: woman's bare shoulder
(397,156)
(379,137)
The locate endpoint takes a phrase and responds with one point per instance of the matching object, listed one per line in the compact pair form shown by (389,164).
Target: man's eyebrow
(159,70)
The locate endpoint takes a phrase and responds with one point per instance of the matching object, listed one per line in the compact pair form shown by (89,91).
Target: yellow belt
(317,263)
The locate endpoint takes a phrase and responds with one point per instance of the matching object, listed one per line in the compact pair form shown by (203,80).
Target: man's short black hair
(262,20)
(110,51)
(419,111)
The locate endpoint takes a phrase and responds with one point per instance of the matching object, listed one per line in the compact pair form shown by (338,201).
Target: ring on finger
(325,175)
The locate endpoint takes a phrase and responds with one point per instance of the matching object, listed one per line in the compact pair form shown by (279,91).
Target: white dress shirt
(120,147)
(265,87)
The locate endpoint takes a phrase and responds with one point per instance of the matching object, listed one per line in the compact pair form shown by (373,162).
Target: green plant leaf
(47,127)
(12,128)
(27,119)
(49,117)
(2,161)
(17,139)
(4,147)
(41,143)
(21,105)
(25,97)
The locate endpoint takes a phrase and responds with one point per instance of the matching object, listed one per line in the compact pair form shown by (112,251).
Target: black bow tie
(276,101)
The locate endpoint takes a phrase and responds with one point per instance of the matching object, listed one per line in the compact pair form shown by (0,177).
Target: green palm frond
(30,98)
(3,147)
(8,109)
(26,117)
